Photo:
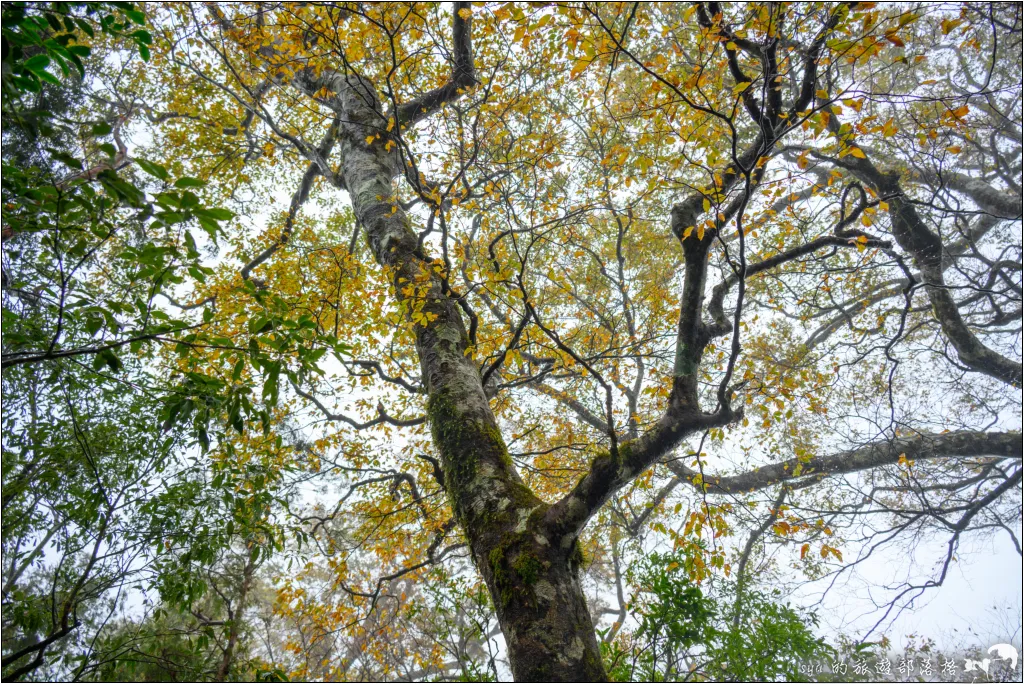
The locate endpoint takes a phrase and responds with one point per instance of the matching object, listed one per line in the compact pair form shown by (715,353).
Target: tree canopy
(432,340)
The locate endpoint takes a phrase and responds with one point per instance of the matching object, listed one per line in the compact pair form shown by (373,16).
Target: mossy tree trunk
(541,608)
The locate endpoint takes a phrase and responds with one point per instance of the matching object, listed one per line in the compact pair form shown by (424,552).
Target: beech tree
(520,282)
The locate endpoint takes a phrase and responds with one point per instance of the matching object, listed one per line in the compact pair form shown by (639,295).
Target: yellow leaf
(955,149)
(700,233)
(949,24)
(578,68)
(858,153)
(369,140)
(465,13)
(803,550)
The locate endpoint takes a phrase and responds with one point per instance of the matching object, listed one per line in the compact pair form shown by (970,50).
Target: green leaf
(260,325)
(270,387)
(77,62)
(85,27)
(37,63)
(209,225)
(190,245)
(188,182)
(29,83)
(153,169)
(113,361)
(65,159)
(215,213)
(135,15)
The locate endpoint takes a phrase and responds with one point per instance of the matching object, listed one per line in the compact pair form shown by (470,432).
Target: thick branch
(914,236)
(463,73)
(965,443)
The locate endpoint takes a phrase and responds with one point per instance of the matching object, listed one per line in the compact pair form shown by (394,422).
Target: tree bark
(542,611)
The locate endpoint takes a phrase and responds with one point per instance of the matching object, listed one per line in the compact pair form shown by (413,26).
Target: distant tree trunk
(235,621)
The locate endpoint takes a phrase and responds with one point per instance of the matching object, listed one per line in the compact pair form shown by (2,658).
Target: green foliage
(769,642)
(95,250)
(96,495)
(686,634)
(459,616)
(89,248)
(82,459)
(43,41)
(680,616)
(167,647)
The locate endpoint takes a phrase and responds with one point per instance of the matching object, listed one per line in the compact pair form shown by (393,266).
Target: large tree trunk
(532,579)
(542,610)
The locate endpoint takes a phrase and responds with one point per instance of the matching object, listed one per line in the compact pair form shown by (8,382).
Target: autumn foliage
(437,320)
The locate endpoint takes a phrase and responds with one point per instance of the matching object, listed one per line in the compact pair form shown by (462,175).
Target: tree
(682,634)
(616,256)
(91,483)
